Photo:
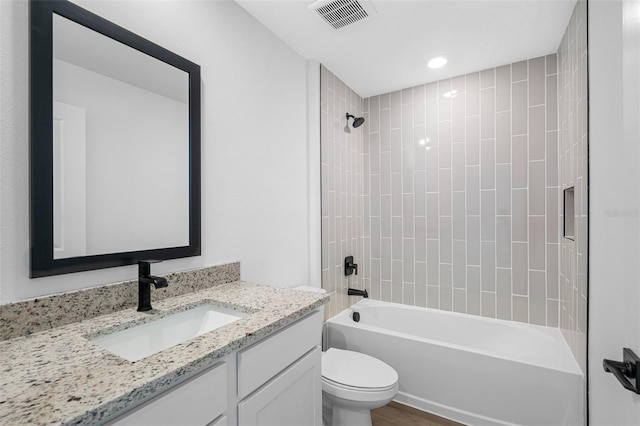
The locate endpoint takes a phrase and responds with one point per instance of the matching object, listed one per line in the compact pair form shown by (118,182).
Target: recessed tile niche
(569,214)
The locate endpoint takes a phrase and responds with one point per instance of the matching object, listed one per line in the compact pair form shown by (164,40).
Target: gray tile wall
(460,194)
(572,113)
(342,201)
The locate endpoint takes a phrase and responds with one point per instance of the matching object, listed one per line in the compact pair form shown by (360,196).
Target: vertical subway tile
(553,215)
(459,216)
(520,162)
(444,102)
(385,260)
(503,189)
(537,133)
(473,190)
(473,290)
(503,241)
(396,151)
(537,298)
(458,118)
(407,170)
(420,155)
(433,297)
(458,167)
(537,243)
(407,96)
(431,111)
(536,81)
(446,289)
(520,268)
(503,294)
(488,307)
(433,263)
(385,216)
(552,313)
(459,300)
(408,296)
(419,183)
(472,94)
(537,194)
(487,164)
(385,131)
(396,238)
(407,126)
(432,169)
(444,179)
(473,240)
(445,239)
(420,239)
(520,214)
(459,264)
(419,99)
(488,266)
(396,291)
(408,260)
(395,116)
(552,64)
(503,137)
(385,101)
(396,194)
(520,309)
(519,108)
(519,71)
(396,271)
(472,143)
(407,215)
(552,158)
(487,78)
(444,144)
(488,215)
(552,271)
(487,113)
(503,88)
(421,275)
(551,102)
(432,215)
(385,173)
(431,90)
(374,114)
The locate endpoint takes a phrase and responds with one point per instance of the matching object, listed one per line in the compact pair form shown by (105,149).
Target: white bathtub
(474,370)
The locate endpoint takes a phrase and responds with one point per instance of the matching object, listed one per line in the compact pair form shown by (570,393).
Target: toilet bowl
(353,384)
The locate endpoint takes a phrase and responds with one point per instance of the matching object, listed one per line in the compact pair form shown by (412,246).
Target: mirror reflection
(121,146)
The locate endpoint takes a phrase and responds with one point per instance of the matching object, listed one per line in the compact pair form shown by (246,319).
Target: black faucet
(145,279)
(356,292)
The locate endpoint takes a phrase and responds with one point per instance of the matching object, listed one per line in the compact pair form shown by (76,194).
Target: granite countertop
(58,376)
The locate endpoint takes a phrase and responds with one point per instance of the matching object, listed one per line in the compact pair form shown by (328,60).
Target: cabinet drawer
(265,359)
(197,402)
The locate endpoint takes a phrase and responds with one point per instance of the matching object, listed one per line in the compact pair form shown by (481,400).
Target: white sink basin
(147,339)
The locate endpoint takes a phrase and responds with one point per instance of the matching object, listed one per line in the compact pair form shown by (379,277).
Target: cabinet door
(292,398)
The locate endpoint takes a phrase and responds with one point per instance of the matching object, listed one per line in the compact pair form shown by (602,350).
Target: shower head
(357,121)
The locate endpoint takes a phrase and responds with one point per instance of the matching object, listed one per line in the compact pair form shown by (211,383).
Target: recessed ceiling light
(437,62)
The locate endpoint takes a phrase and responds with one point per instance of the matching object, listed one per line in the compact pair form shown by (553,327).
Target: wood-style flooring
(396,414)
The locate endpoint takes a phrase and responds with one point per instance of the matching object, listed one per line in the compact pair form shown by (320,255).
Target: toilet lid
(356,369)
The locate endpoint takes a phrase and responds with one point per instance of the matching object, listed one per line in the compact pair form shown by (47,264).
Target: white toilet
(353,384)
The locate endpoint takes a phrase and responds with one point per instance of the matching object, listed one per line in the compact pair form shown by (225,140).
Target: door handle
(629,368)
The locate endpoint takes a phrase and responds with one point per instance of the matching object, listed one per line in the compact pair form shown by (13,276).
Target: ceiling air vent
(342,13)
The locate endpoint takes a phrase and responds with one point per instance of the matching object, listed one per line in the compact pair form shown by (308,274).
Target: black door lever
(629,368)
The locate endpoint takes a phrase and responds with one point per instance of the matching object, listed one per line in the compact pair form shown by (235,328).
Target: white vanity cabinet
(279,378)
(276,381)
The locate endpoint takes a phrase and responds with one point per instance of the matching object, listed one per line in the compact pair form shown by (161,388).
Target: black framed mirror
(115,145)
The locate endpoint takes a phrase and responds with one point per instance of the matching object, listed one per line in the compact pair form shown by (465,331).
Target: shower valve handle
(349,266)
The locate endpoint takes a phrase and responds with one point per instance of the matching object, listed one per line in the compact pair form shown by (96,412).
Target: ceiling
(391,50)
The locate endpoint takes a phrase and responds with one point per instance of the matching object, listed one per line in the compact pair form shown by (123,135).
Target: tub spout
(356,292)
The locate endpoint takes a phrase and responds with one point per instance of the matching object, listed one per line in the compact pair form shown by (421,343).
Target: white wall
(614,197)
(254,152)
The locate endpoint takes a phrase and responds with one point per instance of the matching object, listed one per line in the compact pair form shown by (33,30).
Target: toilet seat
(356,376)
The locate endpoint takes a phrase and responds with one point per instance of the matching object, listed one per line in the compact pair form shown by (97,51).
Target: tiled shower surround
(573,136)
(341,157)
(459,173)
(456,176)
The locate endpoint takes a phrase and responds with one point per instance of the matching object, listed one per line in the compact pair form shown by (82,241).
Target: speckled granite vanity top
(58,376)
